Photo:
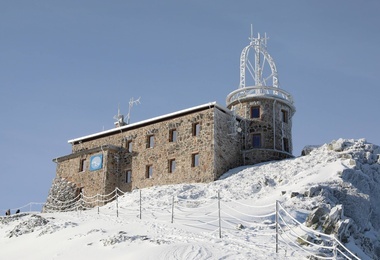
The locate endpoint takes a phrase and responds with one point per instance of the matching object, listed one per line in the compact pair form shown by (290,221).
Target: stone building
(198,144)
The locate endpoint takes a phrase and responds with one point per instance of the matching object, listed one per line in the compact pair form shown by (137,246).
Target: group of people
(8,212)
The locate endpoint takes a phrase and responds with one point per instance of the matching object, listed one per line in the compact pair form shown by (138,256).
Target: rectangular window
(285,143)
(256,140)
(195,160)
(284,115)
(171,165)
(82,165)
(172,135)
(149,172)
(129,146)
(128,177)
(255,112)
(196,129)
(150,141)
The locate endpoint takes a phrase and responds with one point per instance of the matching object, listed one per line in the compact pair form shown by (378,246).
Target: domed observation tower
(266,109)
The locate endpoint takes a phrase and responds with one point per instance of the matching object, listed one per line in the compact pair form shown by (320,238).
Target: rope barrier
(187,213)
(250,206)
(300,236)
(248,215)
(299,247)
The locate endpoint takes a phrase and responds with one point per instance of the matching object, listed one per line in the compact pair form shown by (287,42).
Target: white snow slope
(345,172)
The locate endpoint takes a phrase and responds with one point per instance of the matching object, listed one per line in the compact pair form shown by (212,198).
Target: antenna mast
(131,103)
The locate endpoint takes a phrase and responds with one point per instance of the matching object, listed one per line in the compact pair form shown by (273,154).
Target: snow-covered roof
(149,121)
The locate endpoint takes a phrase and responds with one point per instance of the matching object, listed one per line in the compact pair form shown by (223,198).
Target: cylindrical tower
(266,109)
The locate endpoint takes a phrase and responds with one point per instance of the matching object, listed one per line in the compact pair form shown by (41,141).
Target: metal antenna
(251,38)
(131,103)
(119,118)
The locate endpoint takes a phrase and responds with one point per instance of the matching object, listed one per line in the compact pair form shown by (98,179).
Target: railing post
(277,226)
(220,222)
(97,201)
(173,209)
(140,204)
(117,203)
(334,249)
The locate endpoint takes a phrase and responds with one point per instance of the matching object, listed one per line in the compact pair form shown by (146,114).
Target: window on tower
(256,140)
(255,112)
(285,144)
(284,115)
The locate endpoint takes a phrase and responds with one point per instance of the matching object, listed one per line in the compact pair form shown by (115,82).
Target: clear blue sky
(66,65)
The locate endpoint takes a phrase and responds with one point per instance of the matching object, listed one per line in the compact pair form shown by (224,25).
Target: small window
(195,160)
(172,135)
(196,129)
(171,165)
(285,143)
(128,177)
(256,140)
(149,172)
(255,112)
(129,146)
(82,165)
(284,115)
(150,141)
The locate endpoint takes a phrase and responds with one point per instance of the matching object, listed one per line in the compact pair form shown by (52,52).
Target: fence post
(334,250)
(97,201)
(220,224)
(140,204)
(173,209)
(117,203)
(277,226)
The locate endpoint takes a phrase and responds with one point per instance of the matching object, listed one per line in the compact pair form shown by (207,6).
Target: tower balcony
(269,92)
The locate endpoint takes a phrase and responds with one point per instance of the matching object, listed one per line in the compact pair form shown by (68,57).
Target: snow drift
(334,188)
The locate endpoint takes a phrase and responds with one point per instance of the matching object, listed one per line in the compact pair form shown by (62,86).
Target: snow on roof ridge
(214,103)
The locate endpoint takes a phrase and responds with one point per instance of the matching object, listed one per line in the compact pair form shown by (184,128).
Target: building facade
(198,144)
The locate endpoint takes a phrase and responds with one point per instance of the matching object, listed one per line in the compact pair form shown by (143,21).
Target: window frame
(195,160)
(196,129)
(128,176)
(172,165)
(258,112)
(150,141)
(149,171)
(82,165)
(285,144)
(173,134)
(284,116)
(129,146)
(257,136)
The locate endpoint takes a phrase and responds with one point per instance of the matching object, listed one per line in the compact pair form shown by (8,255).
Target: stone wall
(118,160)
(227,143)
(60,193)
(270,125)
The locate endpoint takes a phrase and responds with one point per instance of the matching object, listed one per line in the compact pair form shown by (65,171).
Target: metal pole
(220,226)
(173,210)
(140,204)
(117,204)
(277,226)
(335,252)
(97,201)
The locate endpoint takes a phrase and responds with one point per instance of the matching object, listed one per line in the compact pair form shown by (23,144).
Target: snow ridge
(341,179)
